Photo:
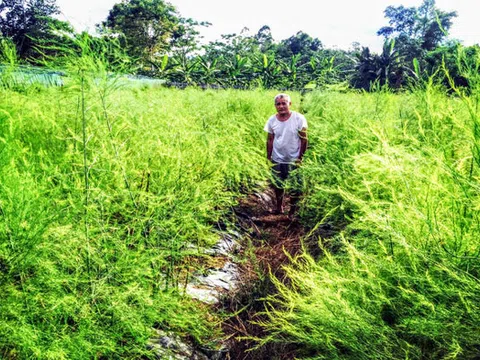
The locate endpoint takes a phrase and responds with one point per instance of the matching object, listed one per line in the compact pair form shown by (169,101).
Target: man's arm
(270,138)
(303,143)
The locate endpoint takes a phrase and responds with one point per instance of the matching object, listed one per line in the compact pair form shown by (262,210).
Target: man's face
(283,106)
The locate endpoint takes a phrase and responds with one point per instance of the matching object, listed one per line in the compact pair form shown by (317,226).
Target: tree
(434,24)
(149,27)
(29,23)
(416,31)
(264,39)
(365,69)
(242,44)
(388,68)
(423,28)
(301,43)
(402,22)
(184,39)
(455,59)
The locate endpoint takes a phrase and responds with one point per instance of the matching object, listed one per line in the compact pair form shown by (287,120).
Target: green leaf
(416,67)
(164,61)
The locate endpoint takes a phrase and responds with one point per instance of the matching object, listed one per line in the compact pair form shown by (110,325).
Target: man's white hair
(282,96)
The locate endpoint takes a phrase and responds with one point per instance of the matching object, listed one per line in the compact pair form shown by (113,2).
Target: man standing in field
(286,144)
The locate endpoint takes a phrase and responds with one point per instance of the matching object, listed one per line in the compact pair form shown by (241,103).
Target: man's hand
(270,139)
(303,145)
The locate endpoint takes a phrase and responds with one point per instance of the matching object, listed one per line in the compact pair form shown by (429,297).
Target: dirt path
(270,240)
(235,279)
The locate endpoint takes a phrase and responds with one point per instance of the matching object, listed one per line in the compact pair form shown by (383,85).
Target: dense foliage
(110,189)
(106,189)
(30,24)
(104,192)
(400,174)
(163,44)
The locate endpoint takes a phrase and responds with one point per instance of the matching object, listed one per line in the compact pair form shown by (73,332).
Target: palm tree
(388,68)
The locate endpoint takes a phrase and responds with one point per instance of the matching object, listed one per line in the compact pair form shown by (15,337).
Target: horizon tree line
(160,43)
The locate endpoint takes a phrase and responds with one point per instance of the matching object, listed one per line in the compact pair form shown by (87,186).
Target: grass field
(400,174)
(103,193)
(105,190)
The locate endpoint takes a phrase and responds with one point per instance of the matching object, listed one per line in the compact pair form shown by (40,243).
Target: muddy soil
(237,277)
(269,243)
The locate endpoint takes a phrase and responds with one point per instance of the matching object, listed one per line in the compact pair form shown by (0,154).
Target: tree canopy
(162,43)
(417,29)
(29,22)
(150,28)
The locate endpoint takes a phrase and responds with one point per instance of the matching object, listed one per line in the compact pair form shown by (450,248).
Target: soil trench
(269,241)
(238,276)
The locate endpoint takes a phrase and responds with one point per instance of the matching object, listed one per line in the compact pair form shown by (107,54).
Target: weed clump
(105,192)
(399,174)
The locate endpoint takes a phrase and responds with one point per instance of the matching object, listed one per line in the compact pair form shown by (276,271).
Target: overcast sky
(337,23)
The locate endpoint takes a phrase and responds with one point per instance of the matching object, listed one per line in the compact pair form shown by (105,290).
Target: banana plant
(323,70)
(267,69)
(186,69)
(390,65)
(292,70)
(162,68)
(236,70)
(208,70)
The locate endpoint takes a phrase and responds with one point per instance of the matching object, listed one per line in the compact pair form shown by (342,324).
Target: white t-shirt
(286,144)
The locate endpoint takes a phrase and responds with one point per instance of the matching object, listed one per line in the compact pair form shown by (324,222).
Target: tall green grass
(401,280)
(104,192)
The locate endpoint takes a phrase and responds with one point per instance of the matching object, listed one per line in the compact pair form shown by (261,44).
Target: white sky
(337,23)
